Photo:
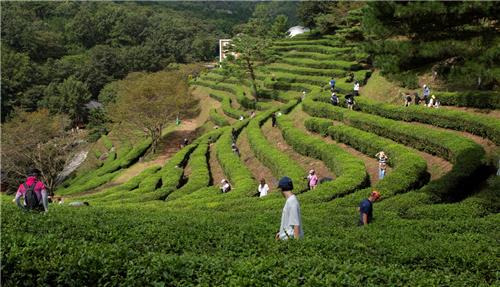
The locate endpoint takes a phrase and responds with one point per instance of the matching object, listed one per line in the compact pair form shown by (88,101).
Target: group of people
(427,99)
(349,98)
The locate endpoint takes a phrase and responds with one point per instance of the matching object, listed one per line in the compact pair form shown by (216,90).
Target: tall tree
(38,140)
(149,102)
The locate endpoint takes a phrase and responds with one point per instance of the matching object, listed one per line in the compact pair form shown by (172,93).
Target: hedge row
(116,191)
(409,169)
(240,177)
(482,126)
(294,78)
(106,142)
(475,99)
(132,156)
(159,185)
(243,100)
(465,155)
(312,48)
(217,119)
(200,174)
(350,171)
(278,162)
(279,67)
(332,64)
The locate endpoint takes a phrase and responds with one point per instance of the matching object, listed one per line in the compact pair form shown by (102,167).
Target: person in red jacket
(33,186)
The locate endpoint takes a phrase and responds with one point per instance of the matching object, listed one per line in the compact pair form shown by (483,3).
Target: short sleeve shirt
(365,207)
(263,190)
(290,217)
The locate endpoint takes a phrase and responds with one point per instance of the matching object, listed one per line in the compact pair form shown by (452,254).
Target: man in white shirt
(291,222)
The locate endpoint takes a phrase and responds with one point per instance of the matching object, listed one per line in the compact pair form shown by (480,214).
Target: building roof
(296,30)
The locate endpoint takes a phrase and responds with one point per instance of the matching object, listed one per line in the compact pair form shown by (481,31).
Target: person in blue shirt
(426,94)
(366,208)
(332,84)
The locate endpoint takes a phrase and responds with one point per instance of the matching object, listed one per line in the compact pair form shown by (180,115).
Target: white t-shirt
(263,190)
(356,87)
(289,218)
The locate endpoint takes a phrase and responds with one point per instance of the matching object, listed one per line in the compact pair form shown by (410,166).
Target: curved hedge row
(311,48)
(280,67)
(240,177)
(244,101)
(295,41)
(350,171)
(466,156)
(332,64)
(482,126)
(217,119)
(475,99)
(278,162)
(409,168)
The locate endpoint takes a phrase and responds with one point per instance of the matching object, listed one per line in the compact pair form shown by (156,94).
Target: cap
(285,184)
(375,194)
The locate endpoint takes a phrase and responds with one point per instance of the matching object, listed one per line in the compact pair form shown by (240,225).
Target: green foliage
(483,126)
(350,172)
(278,162)
(106,142)
(475,99)
(218,119)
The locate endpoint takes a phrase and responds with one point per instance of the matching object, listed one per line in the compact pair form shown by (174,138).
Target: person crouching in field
(291,222)
(366,208)
(33,192)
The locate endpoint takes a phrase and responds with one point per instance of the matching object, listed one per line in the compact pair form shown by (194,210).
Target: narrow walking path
(248,158)
(215,169)
(274,136)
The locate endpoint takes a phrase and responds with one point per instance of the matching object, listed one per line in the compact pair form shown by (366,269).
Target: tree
(149,102)
(38,140)
(68,97)
(458,39)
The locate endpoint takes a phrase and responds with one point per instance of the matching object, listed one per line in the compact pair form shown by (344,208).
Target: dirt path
(215,169)
(371,164)
(252,163)
(275,137)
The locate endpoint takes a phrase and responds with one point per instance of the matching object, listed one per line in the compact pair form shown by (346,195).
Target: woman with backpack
(33,192)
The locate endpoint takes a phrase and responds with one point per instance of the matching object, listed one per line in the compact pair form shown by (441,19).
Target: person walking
(334,100)
(312,179)
(332,84)
(382,164)
(273,119)
(426,94)
(291,221)
(366,208)
(356,88)
(34,193)
(263,188)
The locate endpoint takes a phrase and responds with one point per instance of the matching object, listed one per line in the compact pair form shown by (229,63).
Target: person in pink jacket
(312,179)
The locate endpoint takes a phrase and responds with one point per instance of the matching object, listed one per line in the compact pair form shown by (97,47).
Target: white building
(223,43)
(296,30)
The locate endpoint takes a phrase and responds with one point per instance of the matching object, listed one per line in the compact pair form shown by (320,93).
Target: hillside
(436,223)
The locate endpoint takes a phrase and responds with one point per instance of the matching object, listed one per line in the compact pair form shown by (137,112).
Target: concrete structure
(296,30)
(223,44)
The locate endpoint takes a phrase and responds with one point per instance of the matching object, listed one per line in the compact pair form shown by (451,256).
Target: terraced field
(437,222)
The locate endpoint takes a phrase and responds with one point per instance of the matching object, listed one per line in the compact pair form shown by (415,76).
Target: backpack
(30,197)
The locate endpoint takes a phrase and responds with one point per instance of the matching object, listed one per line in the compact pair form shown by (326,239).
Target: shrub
(106,142)
(218,119)
(475,99)
(350,171)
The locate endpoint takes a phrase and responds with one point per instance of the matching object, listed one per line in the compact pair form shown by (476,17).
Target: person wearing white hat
(431,101)
(312,179)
